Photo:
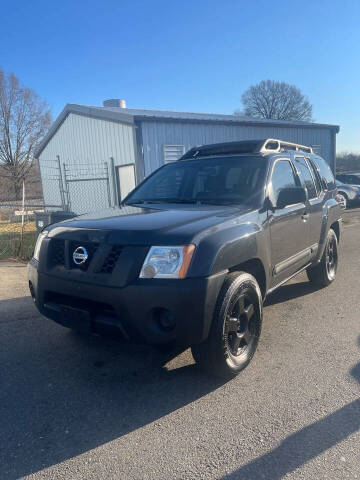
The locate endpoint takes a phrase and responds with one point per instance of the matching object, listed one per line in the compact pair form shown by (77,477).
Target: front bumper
(149,311)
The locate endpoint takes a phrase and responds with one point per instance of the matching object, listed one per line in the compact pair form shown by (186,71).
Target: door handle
(305,216)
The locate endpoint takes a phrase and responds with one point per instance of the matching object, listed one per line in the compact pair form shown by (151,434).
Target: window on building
(306,176)
(173,153)
(282,177)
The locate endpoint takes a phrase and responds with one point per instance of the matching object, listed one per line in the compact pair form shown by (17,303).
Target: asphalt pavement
(84,407)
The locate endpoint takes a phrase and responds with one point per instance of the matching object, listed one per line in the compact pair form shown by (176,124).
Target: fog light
(164,319)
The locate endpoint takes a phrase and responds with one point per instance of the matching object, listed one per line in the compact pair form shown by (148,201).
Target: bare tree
(276,100)
(24,119)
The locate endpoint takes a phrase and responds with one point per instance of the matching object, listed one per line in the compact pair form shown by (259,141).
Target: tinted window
(213,180)
(349,179)
(316,175)
(343,178)
(327,177)
(164,186)
(355,179)
(306,177)
(282,177)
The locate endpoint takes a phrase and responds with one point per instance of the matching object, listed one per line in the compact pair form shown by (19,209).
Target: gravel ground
(80,407)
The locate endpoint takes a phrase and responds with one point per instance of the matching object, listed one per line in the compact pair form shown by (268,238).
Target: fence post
(21,249)
(67,191)
(114,182)
(107,182)
(61,185)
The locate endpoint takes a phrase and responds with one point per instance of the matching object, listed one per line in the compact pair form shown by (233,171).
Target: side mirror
(291,196)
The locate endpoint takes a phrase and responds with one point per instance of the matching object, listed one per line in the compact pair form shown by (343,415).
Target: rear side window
(327,177)
(316,175)
(282,177)
(306,176)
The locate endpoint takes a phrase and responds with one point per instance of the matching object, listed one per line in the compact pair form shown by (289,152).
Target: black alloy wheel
(235,329)
(325,271)
(239,327)
(331,258)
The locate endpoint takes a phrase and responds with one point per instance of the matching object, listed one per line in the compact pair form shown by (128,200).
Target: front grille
(57,252)
(61,255)
(111,259)
(90,248)
(75,302)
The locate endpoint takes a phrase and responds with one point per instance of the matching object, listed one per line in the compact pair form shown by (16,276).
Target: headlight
(39,241)
(167,262)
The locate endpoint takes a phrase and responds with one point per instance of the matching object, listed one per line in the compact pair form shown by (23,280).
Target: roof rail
(269,145)
(273,145)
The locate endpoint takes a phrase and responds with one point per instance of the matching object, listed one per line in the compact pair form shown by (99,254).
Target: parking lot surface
(83,407)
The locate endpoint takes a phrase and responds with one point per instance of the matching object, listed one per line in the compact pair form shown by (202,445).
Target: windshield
(217,180)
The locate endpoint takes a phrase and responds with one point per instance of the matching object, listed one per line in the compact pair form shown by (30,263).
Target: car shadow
(291,291)
(305,444)
(62,394)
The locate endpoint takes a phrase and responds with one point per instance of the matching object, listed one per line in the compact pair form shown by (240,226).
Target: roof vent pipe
(115,102)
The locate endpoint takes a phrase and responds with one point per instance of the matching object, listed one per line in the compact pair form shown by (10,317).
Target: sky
(195,56)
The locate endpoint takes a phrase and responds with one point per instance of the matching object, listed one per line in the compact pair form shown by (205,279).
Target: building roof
(130,115)
(215,117)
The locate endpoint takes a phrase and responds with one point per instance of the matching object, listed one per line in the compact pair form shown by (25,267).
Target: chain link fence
(87,187)
(78,186)
(71,186)
(17,231)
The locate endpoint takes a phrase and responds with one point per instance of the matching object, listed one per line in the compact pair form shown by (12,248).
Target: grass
(15,227)
(10,244)
(10,238)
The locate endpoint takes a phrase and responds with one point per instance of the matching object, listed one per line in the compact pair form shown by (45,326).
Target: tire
(344,201)
(325,272)
(235,330)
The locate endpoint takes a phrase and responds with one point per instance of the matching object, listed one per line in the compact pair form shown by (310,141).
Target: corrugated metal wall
(156,134)
(84,144)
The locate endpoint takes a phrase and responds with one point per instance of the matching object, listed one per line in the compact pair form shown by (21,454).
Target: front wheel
(235,330)
(325,272)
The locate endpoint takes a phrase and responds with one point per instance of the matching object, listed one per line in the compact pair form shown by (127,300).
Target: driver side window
(282,177)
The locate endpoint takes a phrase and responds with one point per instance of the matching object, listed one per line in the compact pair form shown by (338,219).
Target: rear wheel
(235,330)
(325,272)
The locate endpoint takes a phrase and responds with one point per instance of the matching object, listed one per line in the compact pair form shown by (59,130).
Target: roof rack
(273,145)
(269,145)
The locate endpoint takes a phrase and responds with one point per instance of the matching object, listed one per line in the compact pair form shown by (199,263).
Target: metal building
(93,156)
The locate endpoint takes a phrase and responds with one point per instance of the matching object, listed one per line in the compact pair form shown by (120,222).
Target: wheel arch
(344,194)
(256,268)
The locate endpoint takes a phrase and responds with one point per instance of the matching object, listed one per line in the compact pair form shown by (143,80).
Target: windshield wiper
(194,201)
(163,200)
(182,200)
(214,201)
(134,202)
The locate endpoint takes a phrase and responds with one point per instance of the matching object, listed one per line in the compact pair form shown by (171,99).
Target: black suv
(192,252)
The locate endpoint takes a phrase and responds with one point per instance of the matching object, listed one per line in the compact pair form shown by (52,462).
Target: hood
(144,226)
